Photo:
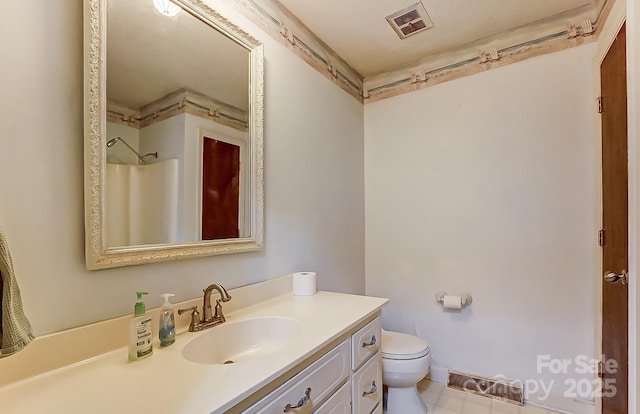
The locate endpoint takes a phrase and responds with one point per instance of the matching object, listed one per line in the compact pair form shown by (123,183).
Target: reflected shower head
(141,158)
(112,142)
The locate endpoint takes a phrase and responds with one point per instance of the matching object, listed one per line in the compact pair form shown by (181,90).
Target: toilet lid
(396,345)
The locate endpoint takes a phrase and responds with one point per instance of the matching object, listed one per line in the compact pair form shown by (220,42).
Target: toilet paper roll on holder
(466,298)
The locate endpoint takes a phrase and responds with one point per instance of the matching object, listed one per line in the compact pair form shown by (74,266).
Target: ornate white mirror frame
(98,254)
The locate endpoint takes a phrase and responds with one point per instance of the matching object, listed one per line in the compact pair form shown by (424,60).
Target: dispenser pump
(139,308)
(166,304)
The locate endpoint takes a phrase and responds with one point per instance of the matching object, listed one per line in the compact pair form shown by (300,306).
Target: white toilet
(406,359)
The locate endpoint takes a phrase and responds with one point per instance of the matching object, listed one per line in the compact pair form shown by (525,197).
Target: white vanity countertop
(168,383)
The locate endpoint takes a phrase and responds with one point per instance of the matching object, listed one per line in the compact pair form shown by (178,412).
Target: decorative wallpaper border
(179,102)
(286,28)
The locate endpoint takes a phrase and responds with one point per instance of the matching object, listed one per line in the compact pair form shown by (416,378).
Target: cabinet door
(303,393)
(339,403)
(365,343)
(367,386)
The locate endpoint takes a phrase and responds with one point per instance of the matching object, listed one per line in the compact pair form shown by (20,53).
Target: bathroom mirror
(173,133)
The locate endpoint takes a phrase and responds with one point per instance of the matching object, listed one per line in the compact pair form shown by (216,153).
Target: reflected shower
(141,158)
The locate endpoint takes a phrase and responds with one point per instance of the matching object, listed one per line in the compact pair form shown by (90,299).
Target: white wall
(313,179)
(165,137)
(486,185)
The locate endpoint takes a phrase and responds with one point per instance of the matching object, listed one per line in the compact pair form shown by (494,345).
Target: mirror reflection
(174,107)
(178,128)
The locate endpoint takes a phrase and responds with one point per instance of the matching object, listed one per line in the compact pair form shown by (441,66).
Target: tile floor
(443,400)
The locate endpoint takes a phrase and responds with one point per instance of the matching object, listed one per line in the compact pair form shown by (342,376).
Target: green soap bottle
(140,331)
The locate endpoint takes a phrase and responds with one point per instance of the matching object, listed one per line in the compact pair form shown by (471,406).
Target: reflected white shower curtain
(142,203)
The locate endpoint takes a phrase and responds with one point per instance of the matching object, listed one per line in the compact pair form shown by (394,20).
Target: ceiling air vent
(414,19)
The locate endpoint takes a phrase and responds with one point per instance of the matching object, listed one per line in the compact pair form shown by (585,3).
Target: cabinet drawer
(321,379)
(365,343)
(367,386)
(339,403)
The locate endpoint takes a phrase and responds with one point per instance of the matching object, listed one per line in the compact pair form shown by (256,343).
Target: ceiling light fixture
(166,7)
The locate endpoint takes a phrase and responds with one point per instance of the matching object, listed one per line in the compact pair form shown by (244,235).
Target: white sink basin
(234,342)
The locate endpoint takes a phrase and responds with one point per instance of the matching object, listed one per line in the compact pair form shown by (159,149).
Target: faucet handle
(218,311)
(195,317)
(193,309)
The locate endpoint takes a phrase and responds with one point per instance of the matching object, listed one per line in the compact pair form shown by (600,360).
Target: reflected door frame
(244,216)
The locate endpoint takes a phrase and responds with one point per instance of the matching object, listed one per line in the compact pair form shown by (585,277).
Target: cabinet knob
(373,390)
(303,401)
(372,342)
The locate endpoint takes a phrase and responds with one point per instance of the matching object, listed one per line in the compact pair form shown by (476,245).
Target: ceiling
(150,56)
(358,32)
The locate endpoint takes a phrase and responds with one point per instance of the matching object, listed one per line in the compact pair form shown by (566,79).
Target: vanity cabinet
(365,343)
(366,365)
(345,380)
(338,403)
(321,351)
(313,384)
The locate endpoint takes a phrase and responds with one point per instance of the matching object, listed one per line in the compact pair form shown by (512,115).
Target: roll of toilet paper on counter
(304,283)
(452,302)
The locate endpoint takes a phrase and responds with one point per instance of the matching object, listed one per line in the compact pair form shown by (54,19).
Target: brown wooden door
(220,190)
(615,220)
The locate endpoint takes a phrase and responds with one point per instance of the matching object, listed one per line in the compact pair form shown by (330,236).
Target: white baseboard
(561,404)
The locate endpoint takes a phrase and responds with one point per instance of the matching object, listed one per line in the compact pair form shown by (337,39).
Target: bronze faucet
(206,303)
(208,320)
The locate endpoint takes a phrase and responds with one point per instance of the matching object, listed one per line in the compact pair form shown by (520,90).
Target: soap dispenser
(140,331)
(167,322)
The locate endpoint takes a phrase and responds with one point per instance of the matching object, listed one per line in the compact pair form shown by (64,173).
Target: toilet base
(404,401)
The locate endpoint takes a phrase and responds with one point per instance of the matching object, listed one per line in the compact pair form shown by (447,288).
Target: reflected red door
(220,189)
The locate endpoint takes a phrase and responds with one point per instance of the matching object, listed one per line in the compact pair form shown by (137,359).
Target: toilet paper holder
(465,298)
